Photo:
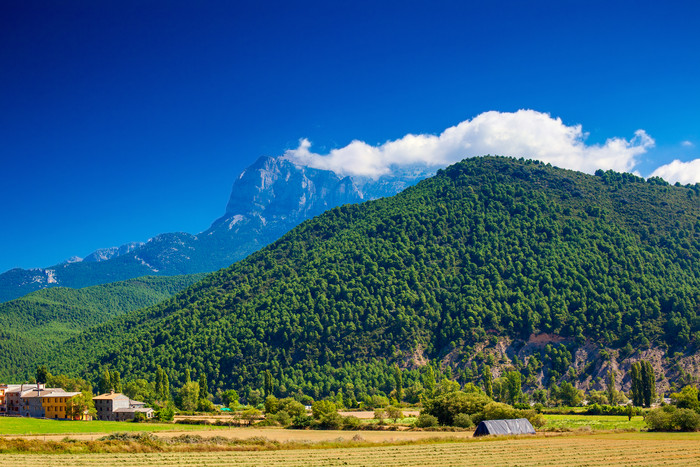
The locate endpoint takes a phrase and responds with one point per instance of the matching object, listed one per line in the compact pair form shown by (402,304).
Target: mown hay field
(613,449)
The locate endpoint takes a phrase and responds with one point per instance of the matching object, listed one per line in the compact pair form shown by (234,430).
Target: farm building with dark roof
(518,426)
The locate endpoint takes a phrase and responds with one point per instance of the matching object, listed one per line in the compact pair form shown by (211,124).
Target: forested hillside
(490,248)
(47,317)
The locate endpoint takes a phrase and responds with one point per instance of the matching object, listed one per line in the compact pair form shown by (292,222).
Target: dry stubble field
(614,449)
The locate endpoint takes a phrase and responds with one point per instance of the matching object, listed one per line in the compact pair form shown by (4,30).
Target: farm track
(587,450)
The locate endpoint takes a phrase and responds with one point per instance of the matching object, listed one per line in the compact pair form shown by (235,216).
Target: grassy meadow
(593,422)
(33,426)
(37,426)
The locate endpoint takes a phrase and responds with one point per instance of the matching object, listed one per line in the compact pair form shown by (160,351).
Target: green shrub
(323,408)
(205,405)
(425,420)
(165,414)
(302,421)
(595,409)
(292,407)
(446,406)
(351,422)
(394,413)
(271,405)
(281,417)
(671,418)
(329,421)
(379,415)
(373,402)
(687,398)
(685,420)
(463,420)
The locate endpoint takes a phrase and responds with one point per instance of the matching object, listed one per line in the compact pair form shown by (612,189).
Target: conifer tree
(42,374)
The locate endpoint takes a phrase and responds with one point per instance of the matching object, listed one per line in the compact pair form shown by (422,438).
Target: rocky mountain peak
(276,186)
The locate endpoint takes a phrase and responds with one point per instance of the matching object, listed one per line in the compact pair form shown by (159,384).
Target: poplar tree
(648,383)
(105,382)
(115,381)
(203,386)
(166,387)
(637,391)
(162,385)
(159,382)
(514,385)
(398,380)
(610,387)
(429,380)
(487,378)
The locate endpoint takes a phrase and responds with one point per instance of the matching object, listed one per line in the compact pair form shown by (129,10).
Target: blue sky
(120,120)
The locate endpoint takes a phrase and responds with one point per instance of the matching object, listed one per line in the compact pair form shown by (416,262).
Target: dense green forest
(44,318)
(488,247)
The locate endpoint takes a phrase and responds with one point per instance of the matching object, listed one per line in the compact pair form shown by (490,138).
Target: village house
(13,394)
(115,406)
(49,403)
(3,402)
(56,405)
(35,400)
(3,407)
(31,404)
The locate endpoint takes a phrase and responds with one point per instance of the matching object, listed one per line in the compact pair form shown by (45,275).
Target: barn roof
(518,426)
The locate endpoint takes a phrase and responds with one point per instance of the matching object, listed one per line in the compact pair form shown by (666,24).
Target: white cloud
(687,144)
(525,133)
(677,171)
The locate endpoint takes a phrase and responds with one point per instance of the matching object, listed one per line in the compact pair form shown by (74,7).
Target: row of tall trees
(643,383)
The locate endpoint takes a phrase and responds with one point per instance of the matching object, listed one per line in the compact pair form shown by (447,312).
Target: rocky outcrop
(590,363)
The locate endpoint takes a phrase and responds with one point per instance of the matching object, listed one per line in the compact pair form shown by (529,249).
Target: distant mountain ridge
(268,198)
(105,254)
